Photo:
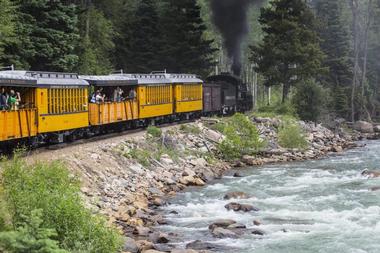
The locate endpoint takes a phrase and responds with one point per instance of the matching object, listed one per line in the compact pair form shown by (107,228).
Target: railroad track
(50,147)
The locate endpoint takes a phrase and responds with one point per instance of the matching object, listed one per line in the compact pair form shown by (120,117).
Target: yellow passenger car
(187,93)
(62,102)
(17,121)
(155,95)
(119,99)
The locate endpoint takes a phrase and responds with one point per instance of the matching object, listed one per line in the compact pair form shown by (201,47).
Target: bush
(154,131)
(30,237)
(242,138)
(276,109)
(309,101)
(50,187)
(290,135)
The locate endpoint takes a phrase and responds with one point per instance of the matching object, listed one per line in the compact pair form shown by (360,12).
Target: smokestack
(230,17)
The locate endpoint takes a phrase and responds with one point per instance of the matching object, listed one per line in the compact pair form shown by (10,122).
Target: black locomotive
(226,94)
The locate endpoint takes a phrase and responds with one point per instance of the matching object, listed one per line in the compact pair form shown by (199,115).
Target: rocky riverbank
(129,178)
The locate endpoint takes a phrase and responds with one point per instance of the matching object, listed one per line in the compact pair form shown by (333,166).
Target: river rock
(130,245)
(371,173)
(213,135)
(221,223)
(223,233)
(240,207)
(257,232)
(363,127)
(183,251)
(256,223)
(199,245)
(236,195)
(142,231)
(249,160)
(377,128)
(376,188)
(144,245)
(236,226)
(337,149)
(158,237)
(152,251)
(237,174)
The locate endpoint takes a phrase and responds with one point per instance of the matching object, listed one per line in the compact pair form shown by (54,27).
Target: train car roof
(149,79)
(110,80)
(14,80)
(163,78)
(184,78)
(45,79)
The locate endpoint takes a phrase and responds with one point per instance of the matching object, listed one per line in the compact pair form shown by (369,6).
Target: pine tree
(185,48)
(142,47)
(47,36)
(96,45)
(290,51)
(7,17)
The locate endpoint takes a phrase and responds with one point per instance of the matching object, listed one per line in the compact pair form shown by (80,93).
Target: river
(314,206)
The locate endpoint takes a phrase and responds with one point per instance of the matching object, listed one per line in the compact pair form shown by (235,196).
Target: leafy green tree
(290,51)
(309,101)
(30,237)
(185,48)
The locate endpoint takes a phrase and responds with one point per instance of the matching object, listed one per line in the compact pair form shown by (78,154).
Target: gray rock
(183,251)
(257,232)
(199,245)
(377,129)
(221,223)
(130,245)
(158,237)
(223,233)
(240,207)
(363,126)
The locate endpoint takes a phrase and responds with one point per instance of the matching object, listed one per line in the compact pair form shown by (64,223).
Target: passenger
(14,100)
(132,94)
(117,93)
(99,97)
(93,98)
(3,99)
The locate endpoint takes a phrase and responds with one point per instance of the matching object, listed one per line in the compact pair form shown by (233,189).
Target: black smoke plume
(230,17)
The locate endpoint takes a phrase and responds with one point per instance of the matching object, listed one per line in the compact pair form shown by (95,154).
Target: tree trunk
(285,92)
(365,56)
(355,24)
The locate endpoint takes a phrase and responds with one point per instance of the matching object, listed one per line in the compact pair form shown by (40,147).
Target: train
(57,107)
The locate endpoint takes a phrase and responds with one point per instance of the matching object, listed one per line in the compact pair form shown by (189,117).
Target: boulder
(223,233)
(199,245)
(183,251)
(144,245)
(257,232)
(375,188)
(237,174)
(141,231)
(337,149)
(376,129)
(130,245)
(371,173)
(213,135)
(256,223)
(240,207)
(221,223)
(236,226)
(236,195)
(249,160)
(363,127)
(158,237)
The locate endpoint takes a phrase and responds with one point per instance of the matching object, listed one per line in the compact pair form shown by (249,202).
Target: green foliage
(7,18)
(190,129)
(97,43)
(290,135)
(290,51)
(242,138)
(183,30)
(309,101)
(154,131)
(286,108)
(141,156)
(50,188)
(30,237)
